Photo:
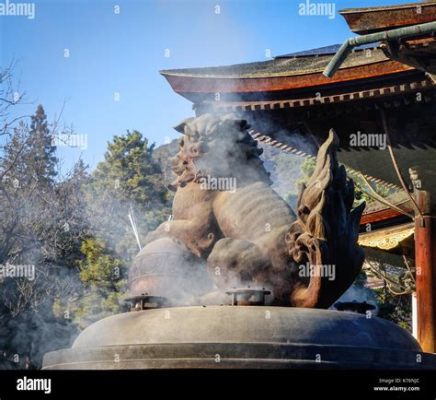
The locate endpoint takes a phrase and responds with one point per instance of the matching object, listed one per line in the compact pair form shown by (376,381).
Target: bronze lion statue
(227,219)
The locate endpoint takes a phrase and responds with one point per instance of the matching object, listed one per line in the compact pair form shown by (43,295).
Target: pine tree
(127,180)
(42,159)
(103,277)
(30,156)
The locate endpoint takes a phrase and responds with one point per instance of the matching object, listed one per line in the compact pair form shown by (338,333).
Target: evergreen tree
(42,157)
(127,181)
(103,277)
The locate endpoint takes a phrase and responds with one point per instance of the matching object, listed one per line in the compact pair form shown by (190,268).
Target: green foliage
(104,281)
(127,180)
(397,309)
(99,269)
(128,166)
(362,190)
(360,187)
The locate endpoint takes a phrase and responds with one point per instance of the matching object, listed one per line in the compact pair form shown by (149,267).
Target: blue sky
(112,52)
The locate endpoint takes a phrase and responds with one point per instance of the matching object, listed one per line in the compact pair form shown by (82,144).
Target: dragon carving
(226,214)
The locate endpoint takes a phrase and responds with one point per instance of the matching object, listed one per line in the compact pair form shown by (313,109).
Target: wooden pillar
(425,262)
(424,282)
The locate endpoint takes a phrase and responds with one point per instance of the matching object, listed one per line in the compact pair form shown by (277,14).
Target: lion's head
(218,147)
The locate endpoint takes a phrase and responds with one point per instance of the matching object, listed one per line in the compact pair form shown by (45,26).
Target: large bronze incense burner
(236,279)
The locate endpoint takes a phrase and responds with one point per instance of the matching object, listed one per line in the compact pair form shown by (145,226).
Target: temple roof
(294,77)
(285,65)
(372,19)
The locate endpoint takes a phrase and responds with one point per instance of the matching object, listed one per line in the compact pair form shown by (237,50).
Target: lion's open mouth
(190,174)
